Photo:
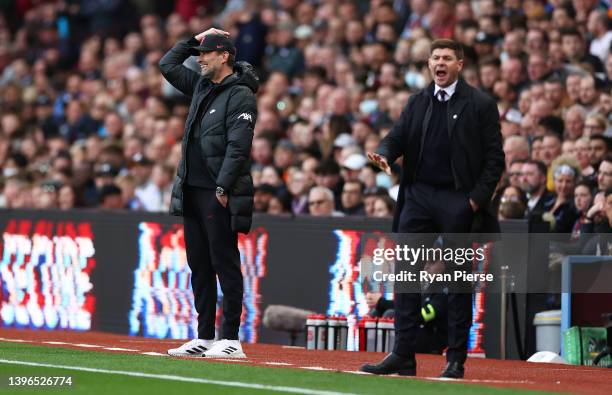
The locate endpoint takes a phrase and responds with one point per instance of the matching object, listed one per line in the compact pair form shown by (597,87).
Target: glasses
(316,202)
(515,174)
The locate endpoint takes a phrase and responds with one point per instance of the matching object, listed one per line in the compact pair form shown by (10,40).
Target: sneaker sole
(224,356)
(181,354)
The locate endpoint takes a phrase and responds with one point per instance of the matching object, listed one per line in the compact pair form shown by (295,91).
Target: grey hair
(329,195)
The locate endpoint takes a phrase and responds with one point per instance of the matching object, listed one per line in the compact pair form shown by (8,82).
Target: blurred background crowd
(87,120)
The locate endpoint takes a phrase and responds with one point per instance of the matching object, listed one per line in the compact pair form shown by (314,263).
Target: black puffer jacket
(225,134)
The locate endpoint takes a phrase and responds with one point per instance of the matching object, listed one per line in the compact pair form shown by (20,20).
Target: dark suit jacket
(477,157)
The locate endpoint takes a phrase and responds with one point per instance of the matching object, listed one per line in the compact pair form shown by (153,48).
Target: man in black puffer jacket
(213,190)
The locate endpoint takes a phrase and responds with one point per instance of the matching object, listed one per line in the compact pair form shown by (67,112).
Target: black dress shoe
(392,364)
(453,370)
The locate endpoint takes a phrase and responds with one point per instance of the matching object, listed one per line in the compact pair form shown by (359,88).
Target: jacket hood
(244,74)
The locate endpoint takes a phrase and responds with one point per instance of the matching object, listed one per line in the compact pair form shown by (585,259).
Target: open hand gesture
(380,162)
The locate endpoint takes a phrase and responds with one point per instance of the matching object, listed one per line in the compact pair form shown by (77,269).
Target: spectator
(513,203)
(110,197)
(583,199)
(515,172)
(321,203)
(595,124)
(277,205)
(551,147)
(155,194)
(127,184)
(540,200)
(604,174)
(327,174)
(599,146)
(352,166)
(536,148)
(84,109)
(589,94)
(383,207)
(598,220)
(263,195)
(515,148)
(574,122)
(66,198)
(370,196)
(581,152)
(573,46)
(283,55)
(46,195)
(352,198)
(297,186)
(599,27)
(563,214)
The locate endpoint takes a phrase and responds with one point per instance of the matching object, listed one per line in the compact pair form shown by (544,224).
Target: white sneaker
(225,349)
(193,348)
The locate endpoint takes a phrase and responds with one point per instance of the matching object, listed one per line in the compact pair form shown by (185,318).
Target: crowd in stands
(87,120)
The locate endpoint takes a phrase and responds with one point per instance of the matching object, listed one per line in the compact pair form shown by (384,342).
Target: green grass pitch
(218,377)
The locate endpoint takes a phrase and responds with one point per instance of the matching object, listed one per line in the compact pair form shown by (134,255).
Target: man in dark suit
(533,181)
(449,137)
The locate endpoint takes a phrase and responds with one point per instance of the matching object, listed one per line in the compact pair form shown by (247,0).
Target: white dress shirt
(450,90)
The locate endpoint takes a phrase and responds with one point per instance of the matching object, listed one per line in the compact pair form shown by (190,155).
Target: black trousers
(212,250)
(429,210)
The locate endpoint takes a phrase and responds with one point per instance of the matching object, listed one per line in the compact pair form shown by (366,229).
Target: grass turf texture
(103,383)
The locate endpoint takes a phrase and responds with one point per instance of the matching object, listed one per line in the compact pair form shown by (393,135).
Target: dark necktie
(442,95)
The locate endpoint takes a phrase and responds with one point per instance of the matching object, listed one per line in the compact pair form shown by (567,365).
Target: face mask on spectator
(9,172)
(415,80)
(383,181)
(368,106)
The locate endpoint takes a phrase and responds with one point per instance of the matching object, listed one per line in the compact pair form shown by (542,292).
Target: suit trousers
(427,211)
(212,250)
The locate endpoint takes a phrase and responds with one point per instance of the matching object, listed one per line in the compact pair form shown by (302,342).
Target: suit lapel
(427,117)
(455,106)
(454,112)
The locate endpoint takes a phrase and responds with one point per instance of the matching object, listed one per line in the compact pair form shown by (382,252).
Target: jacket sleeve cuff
(479,198)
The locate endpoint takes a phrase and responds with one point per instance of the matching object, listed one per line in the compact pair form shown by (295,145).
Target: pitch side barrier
(126,272)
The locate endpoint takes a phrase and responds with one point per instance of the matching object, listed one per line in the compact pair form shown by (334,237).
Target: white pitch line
(314,368)
(238,384)
(85,345)
(118,349)
(477,380)
(56,343)
(355,372)
(155,354)
(15,340)
(279,363)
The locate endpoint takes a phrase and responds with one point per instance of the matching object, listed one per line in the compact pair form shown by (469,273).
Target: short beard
(208,73)
(530,189)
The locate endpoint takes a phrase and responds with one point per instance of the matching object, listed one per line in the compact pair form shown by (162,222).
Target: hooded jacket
(223,117)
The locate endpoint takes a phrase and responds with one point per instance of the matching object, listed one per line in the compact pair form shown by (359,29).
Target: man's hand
(596,210)
(473,205)
(222,200)
(380,162)
(212,30)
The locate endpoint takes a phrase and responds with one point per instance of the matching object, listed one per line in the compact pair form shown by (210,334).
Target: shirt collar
(450,90)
